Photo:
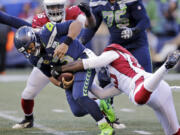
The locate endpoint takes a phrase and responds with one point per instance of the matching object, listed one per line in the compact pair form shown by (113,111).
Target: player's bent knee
(78,112)
(28,94)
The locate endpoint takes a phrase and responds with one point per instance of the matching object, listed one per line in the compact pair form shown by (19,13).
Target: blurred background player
(127,22)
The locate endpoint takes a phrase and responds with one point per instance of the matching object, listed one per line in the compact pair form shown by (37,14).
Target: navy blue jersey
(50,36)
(126,13)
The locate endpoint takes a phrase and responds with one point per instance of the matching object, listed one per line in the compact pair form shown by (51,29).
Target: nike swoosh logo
(26,124)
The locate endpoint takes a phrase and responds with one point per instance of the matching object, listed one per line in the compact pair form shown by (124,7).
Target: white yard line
(41,127)
(141,132)
(127,110)
(13,78)
(58,110)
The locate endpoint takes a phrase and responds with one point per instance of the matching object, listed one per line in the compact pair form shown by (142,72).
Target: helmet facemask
(26,42)
(55,9)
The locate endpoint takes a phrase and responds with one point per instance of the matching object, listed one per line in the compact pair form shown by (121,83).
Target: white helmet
(54,9)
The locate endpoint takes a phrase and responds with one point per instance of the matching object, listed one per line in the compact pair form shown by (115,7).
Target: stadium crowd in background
(162,14)
(4,30)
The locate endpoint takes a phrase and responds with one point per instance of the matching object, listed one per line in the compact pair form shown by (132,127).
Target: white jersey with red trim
(125,71)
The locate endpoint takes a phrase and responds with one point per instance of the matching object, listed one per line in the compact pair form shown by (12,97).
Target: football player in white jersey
(129,77)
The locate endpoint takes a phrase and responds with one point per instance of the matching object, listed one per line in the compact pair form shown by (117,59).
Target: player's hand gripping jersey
(71,14)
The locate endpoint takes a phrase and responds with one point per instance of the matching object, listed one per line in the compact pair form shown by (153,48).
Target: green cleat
(106,129)
(108,110)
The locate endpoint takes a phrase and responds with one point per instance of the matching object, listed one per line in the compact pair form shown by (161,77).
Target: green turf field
(53,115)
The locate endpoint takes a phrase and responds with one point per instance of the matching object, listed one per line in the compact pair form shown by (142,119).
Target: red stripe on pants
(142,96)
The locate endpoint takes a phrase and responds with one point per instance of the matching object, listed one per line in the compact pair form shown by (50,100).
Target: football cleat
(26,123)
(117,125)
(106,129)
(109,113)
(172,60)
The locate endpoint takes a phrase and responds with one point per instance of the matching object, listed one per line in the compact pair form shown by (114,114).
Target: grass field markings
(58,110)
(175,88)
(74,132)
(127,110)
(13,78)
(41,127)
(9,112)
(141,132)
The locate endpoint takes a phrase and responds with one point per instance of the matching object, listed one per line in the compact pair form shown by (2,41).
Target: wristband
(68,40)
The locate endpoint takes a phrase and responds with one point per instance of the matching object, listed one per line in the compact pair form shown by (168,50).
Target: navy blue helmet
(23,38)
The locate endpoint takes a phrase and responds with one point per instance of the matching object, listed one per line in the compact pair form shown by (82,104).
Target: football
(67,76)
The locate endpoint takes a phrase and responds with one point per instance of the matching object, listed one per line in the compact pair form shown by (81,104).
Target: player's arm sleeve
(88,33)
(103,93)
(103,60)
(12,21)
(139,14)
(63,28)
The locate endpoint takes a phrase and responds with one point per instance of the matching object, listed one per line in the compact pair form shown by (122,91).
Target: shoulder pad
(94,3)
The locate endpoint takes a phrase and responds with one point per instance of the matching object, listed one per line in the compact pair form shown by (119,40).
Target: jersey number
(111,16)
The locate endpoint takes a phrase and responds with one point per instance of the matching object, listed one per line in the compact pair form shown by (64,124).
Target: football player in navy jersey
(127,22)
(37,80)
(39,48)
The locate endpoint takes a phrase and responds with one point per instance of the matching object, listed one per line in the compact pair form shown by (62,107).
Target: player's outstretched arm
(73,66)
(12,21)
(94,62)
(90,19)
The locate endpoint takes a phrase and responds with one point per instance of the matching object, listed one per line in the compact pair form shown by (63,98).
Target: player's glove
(56,71)
(85,8)
(127,32)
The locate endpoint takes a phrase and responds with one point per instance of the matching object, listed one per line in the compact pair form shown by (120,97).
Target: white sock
(153,81)
(97,101)
(103,120)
